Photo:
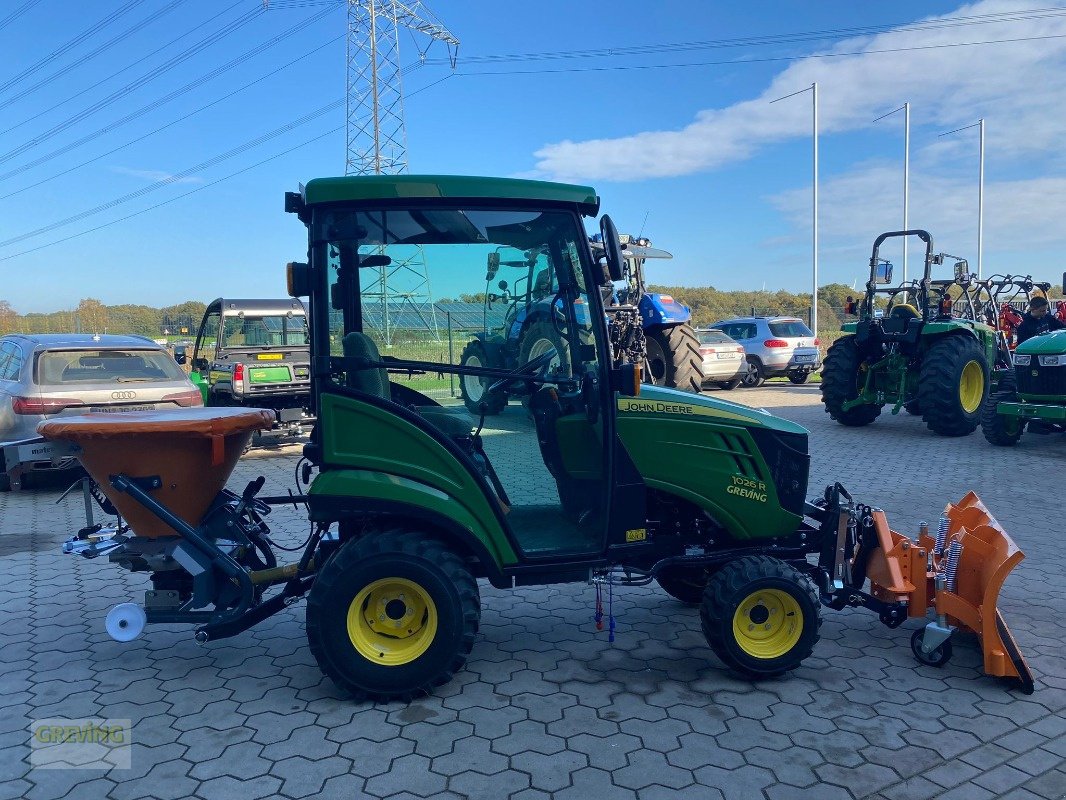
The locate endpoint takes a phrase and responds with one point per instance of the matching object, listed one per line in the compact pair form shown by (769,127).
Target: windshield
(276,330)
(712,337)
(789,328)
(56,367)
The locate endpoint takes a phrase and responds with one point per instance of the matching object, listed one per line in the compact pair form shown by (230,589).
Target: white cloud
(156,175)
(1021,85)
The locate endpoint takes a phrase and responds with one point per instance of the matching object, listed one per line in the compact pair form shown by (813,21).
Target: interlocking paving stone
(547,708)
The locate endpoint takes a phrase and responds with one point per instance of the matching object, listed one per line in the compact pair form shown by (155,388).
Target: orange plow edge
(957,574)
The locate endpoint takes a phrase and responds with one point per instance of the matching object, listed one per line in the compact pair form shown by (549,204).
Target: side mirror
(179,355)
(883,273)
(850,307)
(962,273)
(626,379)
(298,279)
(493,265)
(611,247)
(201,365)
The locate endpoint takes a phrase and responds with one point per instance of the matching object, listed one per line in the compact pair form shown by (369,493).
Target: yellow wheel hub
(392,621)
(768,623)
(971,387)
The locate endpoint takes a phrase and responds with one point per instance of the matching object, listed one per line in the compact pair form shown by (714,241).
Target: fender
(344,494)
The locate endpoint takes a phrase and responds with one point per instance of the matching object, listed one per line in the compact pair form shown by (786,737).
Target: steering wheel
(527,370)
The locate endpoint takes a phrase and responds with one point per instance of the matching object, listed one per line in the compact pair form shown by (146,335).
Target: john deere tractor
(606,481)
(913,353)
(1036,399)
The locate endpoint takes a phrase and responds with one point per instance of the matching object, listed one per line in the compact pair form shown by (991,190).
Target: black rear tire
(841,378)
(999,430)
(474,354)
(913,407)
(673,358)
(941,385)
(729,385)
(686,585)
(776,608)
(443,611)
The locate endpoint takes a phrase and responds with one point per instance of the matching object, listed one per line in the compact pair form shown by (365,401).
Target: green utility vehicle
(914,353)
(255,354)
(1037,399)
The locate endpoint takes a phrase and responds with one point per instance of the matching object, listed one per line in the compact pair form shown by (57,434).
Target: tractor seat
(904,311)
(376,382)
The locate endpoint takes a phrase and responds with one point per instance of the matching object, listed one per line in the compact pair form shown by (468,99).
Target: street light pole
(981,205)
(906,109)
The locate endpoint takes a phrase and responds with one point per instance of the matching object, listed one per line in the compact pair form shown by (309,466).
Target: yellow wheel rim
(392,621)
(768,623)
(971,387)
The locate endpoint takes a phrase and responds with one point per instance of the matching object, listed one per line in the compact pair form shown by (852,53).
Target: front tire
(761,616)
(392,616)
(673,358)
(953,385)
(474,389)
(841,378)
(1000,430)
(754,377)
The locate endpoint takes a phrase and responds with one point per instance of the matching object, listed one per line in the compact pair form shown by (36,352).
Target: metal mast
(376,138)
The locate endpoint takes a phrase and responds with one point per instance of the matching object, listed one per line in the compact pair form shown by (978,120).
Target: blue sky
(723,175)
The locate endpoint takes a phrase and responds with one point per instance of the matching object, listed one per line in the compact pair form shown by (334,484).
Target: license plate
(119,409)
(269,356)
(727,355)
(805,358)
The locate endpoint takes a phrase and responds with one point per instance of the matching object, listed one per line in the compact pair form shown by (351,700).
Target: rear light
(42,405)
(817,341)
(775,343)
(191,397)
(707,350)
(238,373)
(666,298)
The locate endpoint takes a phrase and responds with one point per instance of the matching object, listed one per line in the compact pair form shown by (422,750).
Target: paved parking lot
(547,707)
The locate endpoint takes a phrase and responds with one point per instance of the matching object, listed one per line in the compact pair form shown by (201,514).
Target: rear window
(713,337)
(56,367)
(277,330)
(789,328)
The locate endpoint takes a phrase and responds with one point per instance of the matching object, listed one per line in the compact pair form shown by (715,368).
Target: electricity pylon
(376,140)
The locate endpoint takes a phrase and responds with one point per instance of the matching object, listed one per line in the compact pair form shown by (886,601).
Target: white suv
(775,346)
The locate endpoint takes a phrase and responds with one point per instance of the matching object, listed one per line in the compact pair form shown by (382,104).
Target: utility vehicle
(255,354)
(611,481)
(918,355)
(1036,398)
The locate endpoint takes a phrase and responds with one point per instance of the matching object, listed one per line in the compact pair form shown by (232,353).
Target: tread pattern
(992,424)
(684,364)
(938,385)
(496,401)
(416,546)
(840,372)
(721,595)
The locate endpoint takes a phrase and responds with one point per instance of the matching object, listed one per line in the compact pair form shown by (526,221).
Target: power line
(160,101)
(174,122)
(156,51)
(155,15)
(178,176)
(758,41)
(118,94)
(18,12)
(88,33)
(204,186)
(743,61)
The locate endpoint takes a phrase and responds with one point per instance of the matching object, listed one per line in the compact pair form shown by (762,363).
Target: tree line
(92,316)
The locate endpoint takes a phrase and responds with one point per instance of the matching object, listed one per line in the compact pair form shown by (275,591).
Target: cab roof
(426,187)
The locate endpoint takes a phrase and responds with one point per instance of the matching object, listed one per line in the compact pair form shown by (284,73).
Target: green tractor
(914,353)
(1036,398)
(603,480)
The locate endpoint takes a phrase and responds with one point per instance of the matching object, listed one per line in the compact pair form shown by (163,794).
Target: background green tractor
(1037,399)
(914,353)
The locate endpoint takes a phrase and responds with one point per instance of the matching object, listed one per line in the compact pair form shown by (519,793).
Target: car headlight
(1022,360)
(1052,361)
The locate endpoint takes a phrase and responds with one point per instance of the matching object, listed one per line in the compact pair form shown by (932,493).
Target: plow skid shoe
(988,556)
(902,569)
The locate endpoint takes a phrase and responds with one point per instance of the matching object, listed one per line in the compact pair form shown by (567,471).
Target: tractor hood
(1046,344)
(676,404)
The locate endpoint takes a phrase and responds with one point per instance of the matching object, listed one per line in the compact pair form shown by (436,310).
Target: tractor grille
(1045,381)
(789,463)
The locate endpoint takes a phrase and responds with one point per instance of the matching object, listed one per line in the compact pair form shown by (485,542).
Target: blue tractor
(646,328)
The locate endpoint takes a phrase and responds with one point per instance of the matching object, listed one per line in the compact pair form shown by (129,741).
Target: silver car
(723,358)
(775,346)
(45,376)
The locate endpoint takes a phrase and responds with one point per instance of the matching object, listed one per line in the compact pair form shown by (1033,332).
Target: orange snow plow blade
(961,582)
